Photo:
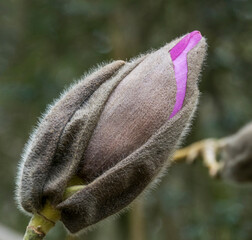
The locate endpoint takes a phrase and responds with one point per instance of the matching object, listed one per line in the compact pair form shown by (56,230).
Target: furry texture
(237,156)
(112,130)
(39,158)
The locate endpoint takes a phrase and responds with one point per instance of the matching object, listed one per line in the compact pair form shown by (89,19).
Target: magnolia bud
(116,129)
(237,156)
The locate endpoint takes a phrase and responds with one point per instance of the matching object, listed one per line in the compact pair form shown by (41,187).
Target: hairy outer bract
(237,156)
(116,129)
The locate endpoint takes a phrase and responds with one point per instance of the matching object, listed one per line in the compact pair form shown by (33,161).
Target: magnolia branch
(208,150)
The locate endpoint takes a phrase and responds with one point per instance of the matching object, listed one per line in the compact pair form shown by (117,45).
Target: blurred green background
(45,45)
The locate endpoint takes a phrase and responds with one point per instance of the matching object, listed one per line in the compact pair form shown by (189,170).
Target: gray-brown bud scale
(237,156)
(116,129)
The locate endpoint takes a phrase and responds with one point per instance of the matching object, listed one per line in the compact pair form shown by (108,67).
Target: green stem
(42,222)
(32,234)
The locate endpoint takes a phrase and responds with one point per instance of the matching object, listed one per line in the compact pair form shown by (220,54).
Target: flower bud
(116,129)
(237,156)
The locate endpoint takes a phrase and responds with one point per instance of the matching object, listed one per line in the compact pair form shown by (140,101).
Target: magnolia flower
(116,129)
(237,156)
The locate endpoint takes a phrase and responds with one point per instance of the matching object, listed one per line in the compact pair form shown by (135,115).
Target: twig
(207,149)
(42,222)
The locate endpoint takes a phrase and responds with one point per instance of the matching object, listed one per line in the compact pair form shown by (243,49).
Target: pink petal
(179,57)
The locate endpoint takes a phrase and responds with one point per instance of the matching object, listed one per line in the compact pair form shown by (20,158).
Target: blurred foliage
(45,45)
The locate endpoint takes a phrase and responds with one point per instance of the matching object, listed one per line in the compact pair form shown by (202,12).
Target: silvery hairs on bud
(116,129)
(237,156)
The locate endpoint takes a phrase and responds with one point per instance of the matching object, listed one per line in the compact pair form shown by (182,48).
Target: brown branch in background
(208,150)
(229,158)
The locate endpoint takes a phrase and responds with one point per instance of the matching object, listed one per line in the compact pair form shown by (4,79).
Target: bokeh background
(45,45)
